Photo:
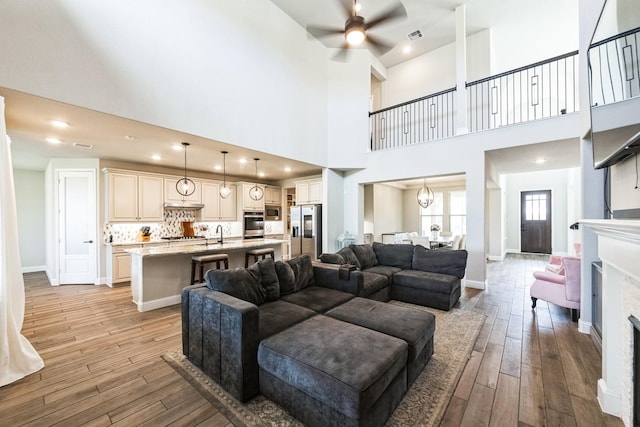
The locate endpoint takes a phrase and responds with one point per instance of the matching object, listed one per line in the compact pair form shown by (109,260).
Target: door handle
(88,241)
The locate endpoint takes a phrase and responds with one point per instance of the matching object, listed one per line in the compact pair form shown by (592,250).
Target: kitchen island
(158,274)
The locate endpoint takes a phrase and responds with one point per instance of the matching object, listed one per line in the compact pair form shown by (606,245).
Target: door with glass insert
(535,223)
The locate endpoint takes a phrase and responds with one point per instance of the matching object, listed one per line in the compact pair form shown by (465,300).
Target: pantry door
(77,226)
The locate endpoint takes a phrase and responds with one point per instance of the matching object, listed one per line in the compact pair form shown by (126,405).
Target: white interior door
(77,202)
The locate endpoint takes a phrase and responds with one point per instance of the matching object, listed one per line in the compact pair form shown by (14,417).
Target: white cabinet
(119,264)
(273,196)
(246,203)
(215,207)
(171,192)
(308,192)
(132,197)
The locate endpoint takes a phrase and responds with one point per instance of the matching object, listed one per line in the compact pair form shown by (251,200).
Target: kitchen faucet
(221,239)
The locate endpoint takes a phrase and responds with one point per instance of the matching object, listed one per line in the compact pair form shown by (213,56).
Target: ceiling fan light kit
(355,30)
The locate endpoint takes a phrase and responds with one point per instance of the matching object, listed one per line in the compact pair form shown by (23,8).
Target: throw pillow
(332,259)
(394,255)
(286,277)
(366,256)
(349,257)
(269,278)
(444,261)
(242,283)
(303,271)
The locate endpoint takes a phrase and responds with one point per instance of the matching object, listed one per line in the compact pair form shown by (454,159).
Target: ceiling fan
(356,28)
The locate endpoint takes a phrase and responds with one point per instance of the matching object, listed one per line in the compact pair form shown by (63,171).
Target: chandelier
(185,186)
(256,192)
(225,191)
(425,195)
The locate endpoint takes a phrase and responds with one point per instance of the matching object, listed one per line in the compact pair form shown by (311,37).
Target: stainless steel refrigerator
(306,230)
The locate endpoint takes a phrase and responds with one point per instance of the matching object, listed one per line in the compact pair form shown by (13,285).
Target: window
(432,215)
(458,212)
(536,207)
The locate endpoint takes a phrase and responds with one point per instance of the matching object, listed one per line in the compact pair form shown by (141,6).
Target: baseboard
(34,269)
(610,402)
(159,303)
(597,340)
(475,284)
(495,258)
(584,327)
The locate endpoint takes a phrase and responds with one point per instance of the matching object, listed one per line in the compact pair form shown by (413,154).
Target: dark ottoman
(330,373)
(415,327)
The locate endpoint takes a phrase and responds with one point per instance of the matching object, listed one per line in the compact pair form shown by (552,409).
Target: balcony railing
(614,66)
(544,89)
(424,119)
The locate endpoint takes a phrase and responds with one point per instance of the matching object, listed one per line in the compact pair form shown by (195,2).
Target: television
(614,83)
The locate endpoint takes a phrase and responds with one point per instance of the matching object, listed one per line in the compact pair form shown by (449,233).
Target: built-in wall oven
(253,225)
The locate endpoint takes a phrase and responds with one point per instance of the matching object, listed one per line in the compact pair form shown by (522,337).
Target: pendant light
(425,195)
(224,190)
(185,186)
(256,192)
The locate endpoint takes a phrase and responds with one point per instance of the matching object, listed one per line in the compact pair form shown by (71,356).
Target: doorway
(535,221)
(77,226)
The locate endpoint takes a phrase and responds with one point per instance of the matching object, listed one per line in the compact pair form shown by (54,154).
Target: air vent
(414,35)
(85,146)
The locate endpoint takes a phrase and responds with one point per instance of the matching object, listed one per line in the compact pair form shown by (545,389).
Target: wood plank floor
(103,362)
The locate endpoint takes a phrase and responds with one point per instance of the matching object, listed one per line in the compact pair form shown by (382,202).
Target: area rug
(424,404)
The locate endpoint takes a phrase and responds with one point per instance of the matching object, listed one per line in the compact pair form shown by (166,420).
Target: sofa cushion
(349,257)
(243,283)
(269,279)
(453,262)
(302,270)
(286,277)
(332,259)
(394,255)
(385,271)
(325,358)
(317,298)
(372,283)
(276,316)
(426,280)
(366,256)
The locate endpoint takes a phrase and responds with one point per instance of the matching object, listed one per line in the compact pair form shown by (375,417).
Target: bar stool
(257,253)
(201,260)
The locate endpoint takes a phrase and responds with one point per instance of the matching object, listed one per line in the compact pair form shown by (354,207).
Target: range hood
(187,206)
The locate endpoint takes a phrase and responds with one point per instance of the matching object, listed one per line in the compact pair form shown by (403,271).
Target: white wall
(30,206)
(562,202)
(204,68)
(387,210)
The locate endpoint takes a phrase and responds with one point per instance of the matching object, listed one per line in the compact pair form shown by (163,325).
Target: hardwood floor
(103,362)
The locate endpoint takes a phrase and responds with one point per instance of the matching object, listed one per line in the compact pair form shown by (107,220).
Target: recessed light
(217,167)
(177,147)
(156,157)
(406,49)
(243,160)
(53,140)
(129,137)
(261,174)
(287,169)
(540,161)
(59,124)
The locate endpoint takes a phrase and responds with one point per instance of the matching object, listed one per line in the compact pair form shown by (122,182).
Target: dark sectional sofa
(298,333)
(404,272)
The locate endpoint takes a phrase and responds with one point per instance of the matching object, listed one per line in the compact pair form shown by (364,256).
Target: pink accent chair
(559,289)
(555,261)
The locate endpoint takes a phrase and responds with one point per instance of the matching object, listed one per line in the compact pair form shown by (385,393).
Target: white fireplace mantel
(619,250)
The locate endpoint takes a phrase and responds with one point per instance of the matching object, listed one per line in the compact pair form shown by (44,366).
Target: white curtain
(18,358)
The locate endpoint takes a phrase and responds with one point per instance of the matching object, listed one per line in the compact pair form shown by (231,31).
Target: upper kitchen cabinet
(273,196)
(134,197)
(215,207)
(171,192)
(309,192)
(246,203)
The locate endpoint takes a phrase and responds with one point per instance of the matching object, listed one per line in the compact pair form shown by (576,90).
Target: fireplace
(635,323)
(619,250)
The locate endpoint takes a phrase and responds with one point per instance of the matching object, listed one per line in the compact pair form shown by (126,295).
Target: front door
(535,222)
(77,203)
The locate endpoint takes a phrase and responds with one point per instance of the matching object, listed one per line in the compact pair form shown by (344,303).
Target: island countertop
(202,247)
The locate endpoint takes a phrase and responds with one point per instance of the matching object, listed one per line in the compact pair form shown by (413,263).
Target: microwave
(272,213)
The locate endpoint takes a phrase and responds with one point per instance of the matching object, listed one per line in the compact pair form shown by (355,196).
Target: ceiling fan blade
(320,32)
(397,11)
(379,46)
(341,55)
(347,7)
